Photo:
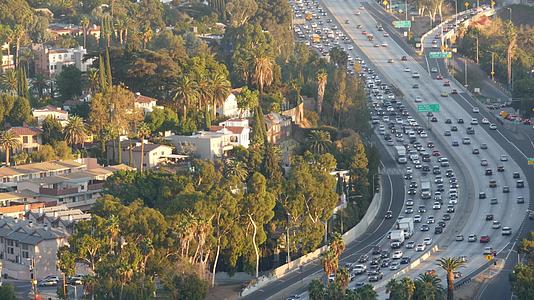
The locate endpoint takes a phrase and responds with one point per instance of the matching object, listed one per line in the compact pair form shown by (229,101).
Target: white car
(410,245)
(488,250)
(397,255)
(476,109)
(409,170)
(484,121)
(420,247)
(504,157)
(418,99)
(474,121)
(394,265)
(506,231)
(427,241)
(472,238)
(496,225)
(434,70)
(350,47)
(423,134)
(492,126)
(417,219)
(384,44)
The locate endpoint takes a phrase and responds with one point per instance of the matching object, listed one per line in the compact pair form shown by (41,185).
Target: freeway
(431,90)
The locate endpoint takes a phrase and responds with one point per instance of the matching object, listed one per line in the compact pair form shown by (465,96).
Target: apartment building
(50,61)
(23,242)
(29,137)
(10,176)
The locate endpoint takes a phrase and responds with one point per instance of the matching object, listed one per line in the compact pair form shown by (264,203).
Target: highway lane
(432,91)
(391,185)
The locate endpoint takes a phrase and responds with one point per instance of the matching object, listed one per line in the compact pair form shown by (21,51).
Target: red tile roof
(233,129)
(20,131)
(144,99)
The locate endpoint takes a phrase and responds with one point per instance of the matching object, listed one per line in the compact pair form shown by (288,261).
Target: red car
(364,32)
(436,153)
(484,239)
(446,83)
(439,77)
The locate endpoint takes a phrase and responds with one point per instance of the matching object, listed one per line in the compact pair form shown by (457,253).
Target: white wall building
(50,61)
(55,112)
(230,108)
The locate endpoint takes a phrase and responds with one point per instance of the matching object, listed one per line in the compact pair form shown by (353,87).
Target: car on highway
(459,237)
(506,230)
(405,260)
(425,227)
(482,195)
(474,121)
(434,70)
(487,251)
(397,255)
(493,126)
(483,162)
(485,239)
(520,184)
(503,158)
(444,94)
(438,230)
(476,110)
(394,265)
(375,276)
(417,219)
(475,151)
(493,183)
(420,247)
(493,201)
(415,86)
(516,175)
(363,258)
(472,238)
(389,214)
(427,241)
(418,99)
(520,200)
(496,225)
(447,133)
(454,128)
(404,58)
(484,146)
(506,189)
(410,245)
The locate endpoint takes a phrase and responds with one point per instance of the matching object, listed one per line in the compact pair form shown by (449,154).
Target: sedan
(397,254)
(496,225)
(459,237)
(389,215)
(504,158)
(484,239)
(472,238)
(418,99)
(476,110)
(430,220)
(425,227)
(493,126)
(405,260)
(394,266)
(410,245)
(420,247)
(427,241)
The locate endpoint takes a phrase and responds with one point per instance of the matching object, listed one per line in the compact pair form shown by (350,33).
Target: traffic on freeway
(469,214)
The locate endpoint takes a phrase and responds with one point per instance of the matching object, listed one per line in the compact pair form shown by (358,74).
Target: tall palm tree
(329,262)
(343,278)
(322,78)
(205,93)
(8,142)
(263,72)
(40,83)
(75,131)
(221,89)
(84,22)
(450,265)
(337,244)
(185,95)
(319,141)
(8,81)
(143,131)
(408,286)
(106,134)
(93,77)
(235,168)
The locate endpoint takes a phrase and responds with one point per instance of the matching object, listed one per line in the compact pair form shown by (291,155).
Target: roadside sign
(431,107)
(439,55)
(531,161)
(489,257)
(402,24)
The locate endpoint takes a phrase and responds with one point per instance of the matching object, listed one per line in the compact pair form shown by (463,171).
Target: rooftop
(39,167)
(26,232)
(20,131)
(144,99)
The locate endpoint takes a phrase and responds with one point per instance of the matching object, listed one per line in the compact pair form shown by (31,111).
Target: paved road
(507,210)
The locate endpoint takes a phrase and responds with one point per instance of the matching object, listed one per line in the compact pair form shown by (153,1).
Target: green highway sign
(531,161)
(432,107)
(439,55)
(402,24)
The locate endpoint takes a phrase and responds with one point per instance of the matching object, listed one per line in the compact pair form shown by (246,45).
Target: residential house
(55,112)
(230,108)
(278,127)
(154,154)
(216,142)
(9,199)
(145,103)
(237,127)
(59,216)
(74,190)
(30,138)
(23,244)
(50,61)
(20,210)
(73,30)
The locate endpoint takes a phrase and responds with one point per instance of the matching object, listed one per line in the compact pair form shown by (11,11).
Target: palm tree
(19,34)
(319,141)
(337,244)
(367,292)
(40,83)
(75,131)
(263,72)
(330,263)
(8,81)
(408,286)
(322,78)
(8,141)
(221,89)
(343,278)
(235,168)
(185,94)
(84,22)
(393,288)
(143,131)
(450,265)
(428,286)
(93,77)
(106,135)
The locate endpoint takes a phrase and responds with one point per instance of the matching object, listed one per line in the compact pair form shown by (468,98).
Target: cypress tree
(101,72)
(108,69)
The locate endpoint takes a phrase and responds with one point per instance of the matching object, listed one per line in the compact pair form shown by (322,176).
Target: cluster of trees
(522,277)
(512,50)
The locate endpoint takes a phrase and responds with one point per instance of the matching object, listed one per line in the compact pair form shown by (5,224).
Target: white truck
(406,225)
(426,189)
(397,238)
(401,154)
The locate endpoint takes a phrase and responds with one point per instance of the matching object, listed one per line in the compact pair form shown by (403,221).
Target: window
(60,199)
(25,139)
(25,254)
(34,139)
(25,247)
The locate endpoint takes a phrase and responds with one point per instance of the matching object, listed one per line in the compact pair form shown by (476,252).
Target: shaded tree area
(522,277)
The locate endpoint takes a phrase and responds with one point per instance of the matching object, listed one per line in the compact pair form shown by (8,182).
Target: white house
(154,154)
(55,112)
(145,103)
(230,108)
(237,127)
(50,61)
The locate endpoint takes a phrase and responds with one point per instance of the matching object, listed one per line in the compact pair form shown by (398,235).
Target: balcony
(95,186)
(58,192)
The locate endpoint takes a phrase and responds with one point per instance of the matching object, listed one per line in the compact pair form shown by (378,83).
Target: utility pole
(493,66)
(477,52)
(287,239)
(465,72)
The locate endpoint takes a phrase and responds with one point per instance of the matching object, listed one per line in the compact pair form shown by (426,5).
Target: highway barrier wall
(348,237)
